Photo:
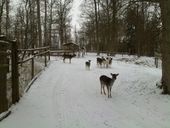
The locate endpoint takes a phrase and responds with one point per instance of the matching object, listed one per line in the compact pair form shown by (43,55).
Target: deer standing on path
(107,82)
(88,64)
(68,56)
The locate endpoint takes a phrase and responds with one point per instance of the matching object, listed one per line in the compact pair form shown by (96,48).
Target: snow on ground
(143,60)
(68,96)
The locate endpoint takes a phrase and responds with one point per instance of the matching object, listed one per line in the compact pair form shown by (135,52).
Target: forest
(56,57)
(133,27)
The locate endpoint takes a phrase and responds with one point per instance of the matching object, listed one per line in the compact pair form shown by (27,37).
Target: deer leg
(104,90)
(110,92)
(101,88)
(107,66)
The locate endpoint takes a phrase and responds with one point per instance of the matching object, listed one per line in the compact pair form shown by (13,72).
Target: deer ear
(117,74)
(111,74)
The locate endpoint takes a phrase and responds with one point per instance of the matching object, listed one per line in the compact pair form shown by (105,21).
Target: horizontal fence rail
(13,61)
(42,51)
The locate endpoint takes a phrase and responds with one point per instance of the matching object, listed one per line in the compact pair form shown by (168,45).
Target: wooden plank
(30,58)
(32,69)
(34,49)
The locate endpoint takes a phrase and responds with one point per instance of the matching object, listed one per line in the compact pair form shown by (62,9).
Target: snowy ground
(68,96)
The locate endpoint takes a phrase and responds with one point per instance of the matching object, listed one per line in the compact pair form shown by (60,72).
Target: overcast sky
(76,11)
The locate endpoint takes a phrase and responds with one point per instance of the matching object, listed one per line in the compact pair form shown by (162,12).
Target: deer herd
(105,81)
(102,62)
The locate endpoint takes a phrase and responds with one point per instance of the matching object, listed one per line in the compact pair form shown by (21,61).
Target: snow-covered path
(68,96)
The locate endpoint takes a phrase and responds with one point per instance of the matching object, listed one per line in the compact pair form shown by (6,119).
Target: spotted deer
(107,82)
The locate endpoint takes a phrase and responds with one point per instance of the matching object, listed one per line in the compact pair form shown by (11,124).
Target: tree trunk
(97,30)
(7,18)
(50,22)
(45,24)
(165,11)
(108,27)
(1,13)
(39,23)
(113,26)
(61,34)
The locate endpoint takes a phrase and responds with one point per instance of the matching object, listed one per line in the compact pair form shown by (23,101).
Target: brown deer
(100,61)
(107,82)
(68,56)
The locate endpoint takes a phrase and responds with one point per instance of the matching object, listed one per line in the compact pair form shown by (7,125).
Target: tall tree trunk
(27,4)
(113,25)
(1,14)
(7,17)
(39,23)
(45,24)
(165,11)
(108,35)
(61,33)
(61,24)
(97,28)
(50,23)
(33,27)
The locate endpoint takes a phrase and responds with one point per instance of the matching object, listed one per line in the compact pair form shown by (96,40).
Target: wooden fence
(9,49)
(43,51)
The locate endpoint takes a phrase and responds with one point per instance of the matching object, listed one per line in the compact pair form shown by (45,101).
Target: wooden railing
(43,51)
(17,58)
(60,52)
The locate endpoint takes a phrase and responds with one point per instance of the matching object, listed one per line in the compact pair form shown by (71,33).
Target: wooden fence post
(49,54)
(15,74)
(32,70)
(45,55)
(3,76)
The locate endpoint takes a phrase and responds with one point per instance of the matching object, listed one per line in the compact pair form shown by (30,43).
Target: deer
(106,62)
(68,56)
(87,63)
(100,61)
(107,82)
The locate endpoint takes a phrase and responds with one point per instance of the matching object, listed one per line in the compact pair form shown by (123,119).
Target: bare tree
(2,4)
(45,24)
(39,23)
(51,8)
(97,26)
(63,8)
(7,25)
